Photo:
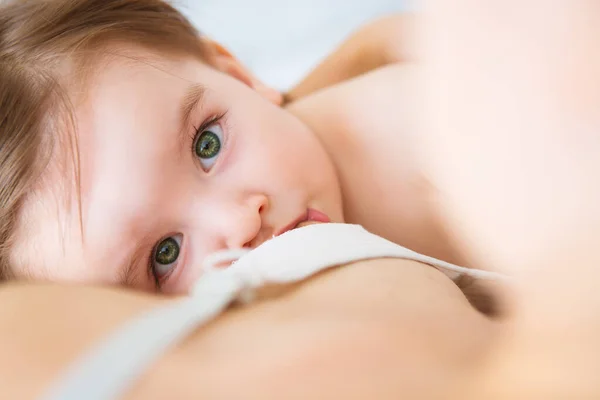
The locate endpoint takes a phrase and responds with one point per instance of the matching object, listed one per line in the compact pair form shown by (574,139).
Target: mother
(372,329)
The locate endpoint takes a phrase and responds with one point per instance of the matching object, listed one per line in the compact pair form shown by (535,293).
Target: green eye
(208,145)
(167,252)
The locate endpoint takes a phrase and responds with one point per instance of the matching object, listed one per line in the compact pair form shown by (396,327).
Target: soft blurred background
(282,40)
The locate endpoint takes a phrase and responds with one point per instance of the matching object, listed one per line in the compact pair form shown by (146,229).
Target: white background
(282,40)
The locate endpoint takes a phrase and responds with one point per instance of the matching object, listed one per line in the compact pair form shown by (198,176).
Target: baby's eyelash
(193,138)
(207,123)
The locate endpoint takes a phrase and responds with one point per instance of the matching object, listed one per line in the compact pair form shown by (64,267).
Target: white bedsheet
(281,40)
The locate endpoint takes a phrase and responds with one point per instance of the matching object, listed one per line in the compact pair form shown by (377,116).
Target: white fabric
(108,370)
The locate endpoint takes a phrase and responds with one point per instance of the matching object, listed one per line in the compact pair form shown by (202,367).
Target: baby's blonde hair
(38,38)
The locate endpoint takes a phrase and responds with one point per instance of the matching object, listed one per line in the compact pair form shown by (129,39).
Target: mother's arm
(367,331)
(383,41)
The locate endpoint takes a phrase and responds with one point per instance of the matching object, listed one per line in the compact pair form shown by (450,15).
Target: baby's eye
(208,146)
(165,256)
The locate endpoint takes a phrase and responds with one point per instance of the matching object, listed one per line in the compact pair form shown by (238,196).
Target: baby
(131,147)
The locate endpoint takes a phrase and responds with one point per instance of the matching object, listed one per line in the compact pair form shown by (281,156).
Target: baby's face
(178,160)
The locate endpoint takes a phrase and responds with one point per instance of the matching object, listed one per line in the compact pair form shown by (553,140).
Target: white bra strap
(109,369)
(299,253)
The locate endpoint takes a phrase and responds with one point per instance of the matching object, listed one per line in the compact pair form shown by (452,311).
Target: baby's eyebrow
(129,274)
(192,99)
(194,96)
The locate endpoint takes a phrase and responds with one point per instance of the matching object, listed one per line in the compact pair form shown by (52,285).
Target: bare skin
(413,317)
(381,42)
(521,366)
(269,171)
(372,121)
(389,321)
(520,180)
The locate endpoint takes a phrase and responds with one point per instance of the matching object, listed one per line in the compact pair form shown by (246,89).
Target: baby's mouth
(313,217)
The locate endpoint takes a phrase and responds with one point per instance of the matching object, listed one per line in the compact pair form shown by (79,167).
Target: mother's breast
(368,330)
(369,128)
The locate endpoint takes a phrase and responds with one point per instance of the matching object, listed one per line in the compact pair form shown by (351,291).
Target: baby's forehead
(48,232)
(125,60)
(131,81)
(45,244)
(46,219)
(49,241)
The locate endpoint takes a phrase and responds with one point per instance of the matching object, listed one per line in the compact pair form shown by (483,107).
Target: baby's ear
(224,61)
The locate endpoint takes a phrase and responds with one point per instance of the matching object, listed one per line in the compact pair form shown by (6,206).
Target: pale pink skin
(141,182)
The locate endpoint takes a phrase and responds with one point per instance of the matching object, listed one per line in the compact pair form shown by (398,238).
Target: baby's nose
(246,228)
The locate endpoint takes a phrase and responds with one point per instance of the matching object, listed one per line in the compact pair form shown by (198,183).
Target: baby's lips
(318,216)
